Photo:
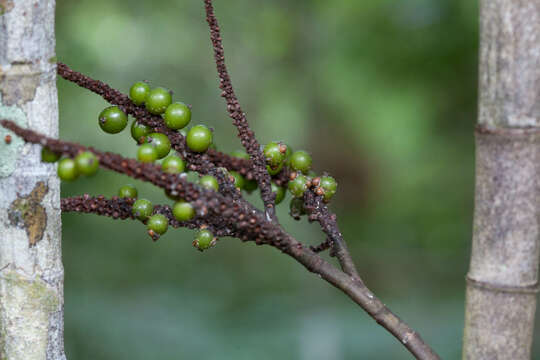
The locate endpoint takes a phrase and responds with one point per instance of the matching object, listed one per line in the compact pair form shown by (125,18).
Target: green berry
(250,185)
(142,209)
(183,211)
(158,223)
(204,240)
(239,180)
(289,151)
(297,208)
(87,163)
(298,186)
(329,186)
(199,138)
(177,115)
(209,182)
(157,101)
(301,161)
(112,120)
(139,131)
(161,142)
(274,154)
(49,156)
(280,193)
(274,171)
(139,92)
(127,191)
(173,165)
(67,170)
(240,154)
(147,153)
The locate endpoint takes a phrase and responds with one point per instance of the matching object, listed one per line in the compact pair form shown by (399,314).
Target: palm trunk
(503,277)
(31,272)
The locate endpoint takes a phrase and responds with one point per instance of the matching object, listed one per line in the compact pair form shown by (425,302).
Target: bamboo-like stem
(503,276)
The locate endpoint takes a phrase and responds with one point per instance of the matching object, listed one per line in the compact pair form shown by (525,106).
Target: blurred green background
(383,93)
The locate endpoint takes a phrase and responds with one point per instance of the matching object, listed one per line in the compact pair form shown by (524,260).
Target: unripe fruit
(49,156)
(157,101)
(209,182)
(280,193)
(239,180)
(139,131)
(199,138)
(240,154)
(127,191)
(139,92)
(329,185)
(275,154)
(67,170)
(173,164)
(158,223)
(204,240)
(250,185)
(296,208)
(183,211)
(274,171)
(161,142)
(87,163)
(112,120)
(147,153)
(298,186)
(301,161)
(177,115)
(142,209)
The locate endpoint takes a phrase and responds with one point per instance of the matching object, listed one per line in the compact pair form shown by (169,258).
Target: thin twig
(245,133)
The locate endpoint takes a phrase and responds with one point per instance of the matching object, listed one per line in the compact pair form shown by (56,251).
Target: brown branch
(318,211)
(120,208)
(245,133)
(248,224)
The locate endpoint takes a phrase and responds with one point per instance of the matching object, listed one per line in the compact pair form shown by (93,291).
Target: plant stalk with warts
(214,206)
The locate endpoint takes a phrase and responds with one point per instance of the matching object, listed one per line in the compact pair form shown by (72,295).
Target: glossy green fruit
(177,115)
(173,164)
(239,180)
(67,170)
(298,186)
(329,186)
(250,185)
(49,156)
(161,142)
(139,92)
(147,153)
(241,154)
(183,211)
(199,138)
(301,161)
(158,223)
(274,171)
(112,120)
(296,208)
(139,131)
(280,193)
(275,154)
(204,239)
(127,191)
(209,182)
(87,163)
(157,101)
(142,209)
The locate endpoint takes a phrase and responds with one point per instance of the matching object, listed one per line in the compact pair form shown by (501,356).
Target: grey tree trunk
(31,272)
(502,282)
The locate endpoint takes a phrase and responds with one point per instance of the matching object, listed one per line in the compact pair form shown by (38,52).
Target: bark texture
(502,282)
(31,272)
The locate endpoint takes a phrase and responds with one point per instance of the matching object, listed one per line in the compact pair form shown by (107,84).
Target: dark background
(383,93)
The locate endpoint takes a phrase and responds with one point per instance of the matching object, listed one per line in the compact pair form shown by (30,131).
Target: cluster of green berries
(85,163)
(325,186)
